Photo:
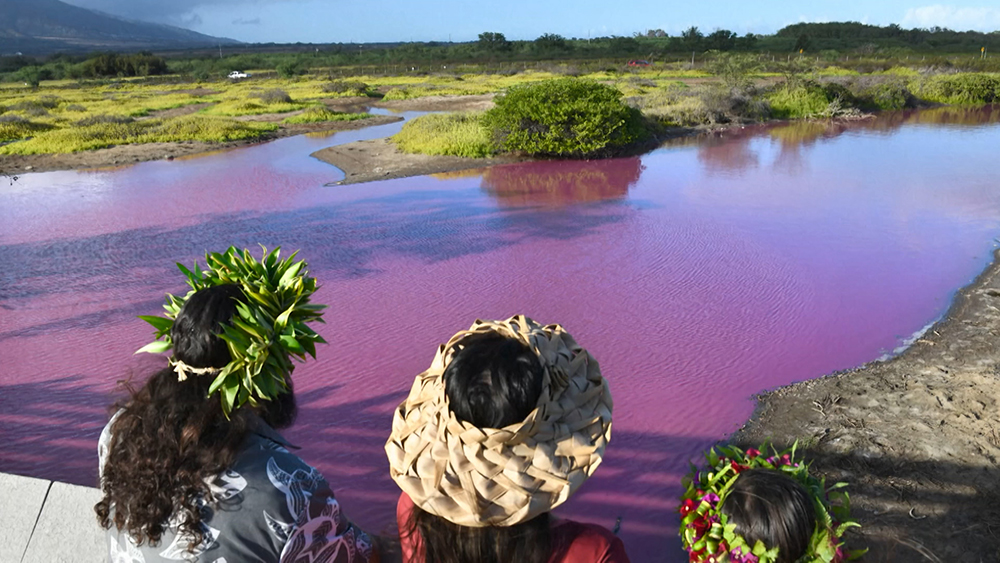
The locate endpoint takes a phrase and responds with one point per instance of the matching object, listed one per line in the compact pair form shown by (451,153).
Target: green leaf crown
(266,333)
(707,534)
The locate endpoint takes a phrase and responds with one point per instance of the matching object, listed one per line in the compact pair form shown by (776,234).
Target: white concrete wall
(48,522)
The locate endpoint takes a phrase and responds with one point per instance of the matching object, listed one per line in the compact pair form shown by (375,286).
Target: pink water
(698,275)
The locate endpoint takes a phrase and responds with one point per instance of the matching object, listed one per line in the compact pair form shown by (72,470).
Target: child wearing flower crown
(745,507)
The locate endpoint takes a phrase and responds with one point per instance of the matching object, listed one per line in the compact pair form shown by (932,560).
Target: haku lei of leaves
(708,536)
(267,332)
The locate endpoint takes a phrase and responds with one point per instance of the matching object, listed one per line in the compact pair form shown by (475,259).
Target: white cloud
(953,17)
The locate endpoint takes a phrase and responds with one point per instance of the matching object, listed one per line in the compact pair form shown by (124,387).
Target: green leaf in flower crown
(161,324)
(157,347)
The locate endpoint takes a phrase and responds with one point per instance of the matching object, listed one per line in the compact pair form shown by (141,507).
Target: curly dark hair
(170,438)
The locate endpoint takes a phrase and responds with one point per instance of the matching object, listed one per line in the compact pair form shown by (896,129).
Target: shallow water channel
(698,275)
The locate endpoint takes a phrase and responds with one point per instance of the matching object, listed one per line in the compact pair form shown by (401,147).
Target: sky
(346,21)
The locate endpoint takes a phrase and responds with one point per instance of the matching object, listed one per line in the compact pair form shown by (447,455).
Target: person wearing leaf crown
(192,467)
(746,507)
(509,421)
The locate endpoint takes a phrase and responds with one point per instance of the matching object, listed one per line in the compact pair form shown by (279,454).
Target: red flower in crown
(687,507)
(738,468)
(752,453)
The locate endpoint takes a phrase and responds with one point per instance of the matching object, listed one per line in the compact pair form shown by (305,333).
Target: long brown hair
(171,438)
(492,382)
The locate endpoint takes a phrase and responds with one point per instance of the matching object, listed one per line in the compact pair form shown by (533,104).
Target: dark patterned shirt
(269,506)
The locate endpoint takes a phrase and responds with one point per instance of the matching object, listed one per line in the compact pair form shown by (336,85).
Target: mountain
(38,27)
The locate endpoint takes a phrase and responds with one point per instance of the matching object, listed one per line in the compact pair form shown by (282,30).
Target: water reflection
(738,151)
(554,183)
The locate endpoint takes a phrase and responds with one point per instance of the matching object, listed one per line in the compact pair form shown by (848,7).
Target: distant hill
(38,27)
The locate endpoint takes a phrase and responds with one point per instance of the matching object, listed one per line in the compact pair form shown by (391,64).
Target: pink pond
(697,275)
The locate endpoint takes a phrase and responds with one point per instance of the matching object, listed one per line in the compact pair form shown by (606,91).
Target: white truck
(237,74)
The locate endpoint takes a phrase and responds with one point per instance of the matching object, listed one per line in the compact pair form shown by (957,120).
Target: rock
(29,167)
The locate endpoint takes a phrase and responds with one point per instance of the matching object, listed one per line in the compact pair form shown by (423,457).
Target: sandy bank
(379,159)
(916,437)
(131,154)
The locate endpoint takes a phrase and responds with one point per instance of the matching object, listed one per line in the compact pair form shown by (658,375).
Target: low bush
(960,89)
(566,117)
(187,128)
(319,114)
(456,134)
(806,99)
(397,94)
(347,88)
(99,119)
(273,96)
(75,107)
(13,127)
(892,95)
(238,108)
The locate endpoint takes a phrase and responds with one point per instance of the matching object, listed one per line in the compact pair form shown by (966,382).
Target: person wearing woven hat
(508,422)
(191,465)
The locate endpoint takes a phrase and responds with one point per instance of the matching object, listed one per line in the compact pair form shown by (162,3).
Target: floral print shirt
(269,506)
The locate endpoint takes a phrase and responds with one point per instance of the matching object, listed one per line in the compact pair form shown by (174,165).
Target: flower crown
(708,536)
(266,332)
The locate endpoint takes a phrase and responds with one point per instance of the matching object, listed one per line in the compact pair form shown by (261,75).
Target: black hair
(774,508)
(171,437)
(491,382)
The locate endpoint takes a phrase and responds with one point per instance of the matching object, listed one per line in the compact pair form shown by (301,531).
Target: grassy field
(70,116)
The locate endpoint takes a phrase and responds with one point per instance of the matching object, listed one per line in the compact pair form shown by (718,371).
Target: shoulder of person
(581,542)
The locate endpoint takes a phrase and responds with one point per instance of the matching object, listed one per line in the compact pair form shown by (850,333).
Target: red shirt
(582,543)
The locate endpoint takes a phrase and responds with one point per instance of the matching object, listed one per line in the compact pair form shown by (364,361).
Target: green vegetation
(960,89)
(564,117)
(320,114)
(106,134)
(456,134)
(14,127)
(802,100)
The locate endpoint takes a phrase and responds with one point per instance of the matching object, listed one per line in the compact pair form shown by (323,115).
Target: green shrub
(75,107)
(290,69)
(347,88)
(318,114)
(893,95)
(457,134)
(804,100)
(396,94)
(98,119)
(13,127)
(961,89)
(273,96)
(564,117)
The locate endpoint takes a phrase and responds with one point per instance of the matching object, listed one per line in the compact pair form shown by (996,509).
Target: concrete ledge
(47,521)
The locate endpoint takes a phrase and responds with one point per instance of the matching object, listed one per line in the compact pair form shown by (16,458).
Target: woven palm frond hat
(479,477)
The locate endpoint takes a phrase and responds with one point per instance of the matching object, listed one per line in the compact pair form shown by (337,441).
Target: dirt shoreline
(917,437)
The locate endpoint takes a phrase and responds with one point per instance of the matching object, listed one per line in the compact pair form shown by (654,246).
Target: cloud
(953,17)
(244,21)
(173,11)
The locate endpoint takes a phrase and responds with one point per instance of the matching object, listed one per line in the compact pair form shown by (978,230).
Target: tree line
(849,38)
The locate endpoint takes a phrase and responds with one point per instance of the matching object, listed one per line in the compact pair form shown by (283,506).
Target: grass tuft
(456,134)
(102,135)
(319,114)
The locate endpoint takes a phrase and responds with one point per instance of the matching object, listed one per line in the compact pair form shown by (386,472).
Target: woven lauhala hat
(503,476)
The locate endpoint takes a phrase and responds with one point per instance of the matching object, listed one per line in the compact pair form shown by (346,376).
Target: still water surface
(697,275)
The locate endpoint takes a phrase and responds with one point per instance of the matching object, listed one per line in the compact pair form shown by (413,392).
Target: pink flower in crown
(752,453)
(711,498)
(737,556)
(785,460)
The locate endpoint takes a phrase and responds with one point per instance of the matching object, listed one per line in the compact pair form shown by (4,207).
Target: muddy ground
(379,159)
(916,437)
